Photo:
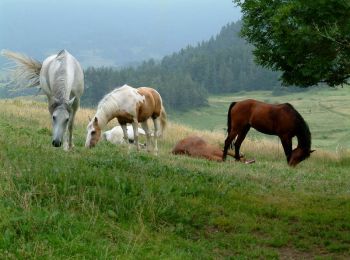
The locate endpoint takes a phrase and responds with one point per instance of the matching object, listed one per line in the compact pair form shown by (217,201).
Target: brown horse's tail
(229,117)
(163,120)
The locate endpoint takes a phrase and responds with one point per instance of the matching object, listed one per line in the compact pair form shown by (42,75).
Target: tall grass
(111,202)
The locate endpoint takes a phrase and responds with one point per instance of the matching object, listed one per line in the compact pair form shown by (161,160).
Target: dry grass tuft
(174,132)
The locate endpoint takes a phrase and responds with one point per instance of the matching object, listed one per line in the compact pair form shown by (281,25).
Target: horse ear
(70,102)
(95,121)
(89,118)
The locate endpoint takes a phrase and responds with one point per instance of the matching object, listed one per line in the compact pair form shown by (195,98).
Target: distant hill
(222,64)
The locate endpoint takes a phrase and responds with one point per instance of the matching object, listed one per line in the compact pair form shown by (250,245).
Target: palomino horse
(129,105)
(281,120)
(196,146)
(61,78)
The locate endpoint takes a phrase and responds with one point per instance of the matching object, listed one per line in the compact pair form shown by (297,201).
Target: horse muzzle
(56,143)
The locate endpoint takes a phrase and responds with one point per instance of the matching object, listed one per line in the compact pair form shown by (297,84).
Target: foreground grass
(110,203)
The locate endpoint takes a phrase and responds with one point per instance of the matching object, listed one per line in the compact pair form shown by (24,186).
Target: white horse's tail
(27,70)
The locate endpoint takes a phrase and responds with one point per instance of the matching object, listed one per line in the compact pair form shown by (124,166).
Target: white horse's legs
(156,122)
(70,131)
(135,126)
(68,136)
(65,140)
(148,134)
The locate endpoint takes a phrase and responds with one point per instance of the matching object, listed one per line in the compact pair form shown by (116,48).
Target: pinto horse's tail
(26,71)
(163,119)
(229,117)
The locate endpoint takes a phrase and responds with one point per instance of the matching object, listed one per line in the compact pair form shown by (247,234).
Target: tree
(308,41)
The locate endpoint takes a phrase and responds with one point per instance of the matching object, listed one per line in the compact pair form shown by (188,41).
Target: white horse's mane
(60,90)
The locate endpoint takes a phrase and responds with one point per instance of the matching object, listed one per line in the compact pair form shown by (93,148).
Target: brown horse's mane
(303,131)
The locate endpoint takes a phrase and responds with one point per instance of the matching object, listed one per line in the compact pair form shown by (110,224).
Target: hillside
(108,203)
(222,64)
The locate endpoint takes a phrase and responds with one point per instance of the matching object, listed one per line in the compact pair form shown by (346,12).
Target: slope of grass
(109,202)
(327,112)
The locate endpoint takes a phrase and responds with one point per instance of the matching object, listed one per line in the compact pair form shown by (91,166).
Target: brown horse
(196,146)
(281,120)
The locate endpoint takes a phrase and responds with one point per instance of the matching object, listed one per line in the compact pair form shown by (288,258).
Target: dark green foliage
(221,65)
(309,41)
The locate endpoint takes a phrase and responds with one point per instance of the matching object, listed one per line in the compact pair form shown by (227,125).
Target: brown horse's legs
(287,146)
(239,140)
(231,136)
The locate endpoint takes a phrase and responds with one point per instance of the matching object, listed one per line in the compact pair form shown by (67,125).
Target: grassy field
(327,112)
(108,203)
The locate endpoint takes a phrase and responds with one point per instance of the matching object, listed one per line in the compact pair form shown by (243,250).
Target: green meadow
(111,202)
(327,111)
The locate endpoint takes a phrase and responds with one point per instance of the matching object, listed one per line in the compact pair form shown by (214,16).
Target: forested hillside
(220,65)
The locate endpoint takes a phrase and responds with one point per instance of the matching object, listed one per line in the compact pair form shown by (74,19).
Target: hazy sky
(108,32)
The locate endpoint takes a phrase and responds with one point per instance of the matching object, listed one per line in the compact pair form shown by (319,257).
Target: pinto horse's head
(298,155)
(61,113)
(93,133)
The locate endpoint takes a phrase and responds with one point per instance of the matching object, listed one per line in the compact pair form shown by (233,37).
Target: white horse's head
(61,113)
(93,133)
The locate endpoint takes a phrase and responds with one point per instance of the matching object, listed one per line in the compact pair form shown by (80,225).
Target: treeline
(221,65)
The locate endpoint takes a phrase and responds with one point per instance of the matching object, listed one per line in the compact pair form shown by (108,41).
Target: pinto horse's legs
(287,146)
(125,134)
(135,126)
(144,125)
(239,140)
(230,137)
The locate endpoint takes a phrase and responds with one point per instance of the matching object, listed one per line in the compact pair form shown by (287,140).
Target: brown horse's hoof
(250,161)
(246,161)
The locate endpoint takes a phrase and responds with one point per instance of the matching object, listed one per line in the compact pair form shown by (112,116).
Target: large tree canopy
(309,41)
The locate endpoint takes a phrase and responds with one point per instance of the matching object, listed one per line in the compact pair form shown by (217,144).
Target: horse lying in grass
(61,78)
(116,135)
(281,120)
(196,146)
(129,105)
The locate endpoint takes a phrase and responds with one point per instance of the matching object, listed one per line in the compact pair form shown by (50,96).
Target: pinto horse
(129,105)
(281,120)
(196,146)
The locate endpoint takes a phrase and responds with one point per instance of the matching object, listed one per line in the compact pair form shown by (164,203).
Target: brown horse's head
(298,155)
(93,133)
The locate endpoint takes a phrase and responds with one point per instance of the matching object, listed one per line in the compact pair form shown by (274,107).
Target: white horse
(129,105)
(61,78)
(116,135)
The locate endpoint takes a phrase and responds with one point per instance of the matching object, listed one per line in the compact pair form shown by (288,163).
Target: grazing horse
(61,78)
(116,135)
(196,146)
(281,120)
(129,105)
